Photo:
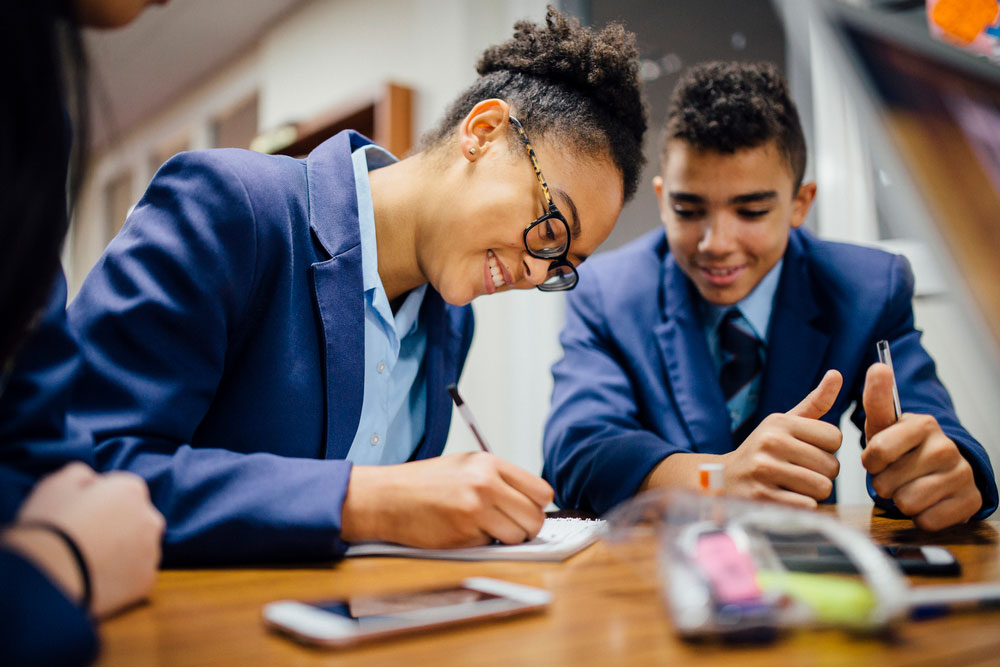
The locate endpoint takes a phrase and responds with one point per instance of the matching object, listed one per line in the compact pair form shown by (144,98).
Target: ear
(658,189)
(802,203)
(481,128)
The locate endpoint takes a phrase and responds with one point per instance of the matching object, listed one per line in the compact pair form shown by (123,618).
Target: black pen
(463,410)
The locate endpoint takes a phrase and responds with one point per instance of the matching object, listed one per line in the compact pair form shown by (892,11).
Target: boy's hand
(789,458)
(458,500)
(912,462)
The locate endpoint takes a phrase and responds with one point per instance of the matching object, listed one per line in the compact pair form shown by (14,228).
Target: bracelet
(81,562)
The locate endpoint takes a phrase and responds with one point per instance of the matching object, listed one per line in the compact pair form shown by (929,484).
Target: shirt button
(380,367)
(374,439)
(734,415)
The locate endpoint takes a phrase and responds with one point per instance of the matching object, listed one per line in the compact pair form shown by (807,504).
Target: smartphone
(925,560)
(812,552)
(360,618)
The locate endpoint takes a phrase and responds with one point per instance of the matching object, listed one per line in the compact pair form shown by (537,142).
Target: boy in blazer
(734,335)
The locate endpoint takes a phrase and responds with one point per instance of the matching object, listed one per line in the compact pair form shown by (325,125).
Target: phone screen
(396,606)
(907,553)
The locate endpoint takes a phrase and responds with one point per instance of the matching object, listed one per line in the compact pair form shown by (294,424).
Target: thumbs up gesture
(790,458)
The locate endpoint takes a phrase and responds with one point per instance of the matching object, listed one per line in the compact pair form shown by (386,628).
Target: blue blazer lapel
(693,381)
(337,281)
(797,341)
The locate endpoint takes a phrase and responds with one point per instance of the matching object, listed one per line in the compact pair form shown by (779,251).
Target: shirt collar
(365,159)
(755,307)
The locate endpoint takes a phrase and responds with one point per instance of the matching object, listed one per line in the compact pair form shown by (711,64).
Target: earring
(472,150)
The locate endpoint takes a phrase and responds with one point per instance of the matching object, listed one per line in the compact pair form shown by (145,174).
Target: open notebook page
(558,539)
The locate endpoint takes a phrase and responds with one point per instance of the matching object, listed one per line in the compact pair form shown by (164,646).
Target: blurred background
(283,75)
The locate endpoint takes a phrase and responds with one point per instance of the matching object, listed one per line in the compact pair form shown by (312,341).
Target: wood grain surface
(607,610)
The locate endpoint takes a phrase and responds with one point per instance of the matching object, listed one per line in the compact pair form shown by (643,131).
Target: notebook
(557,540)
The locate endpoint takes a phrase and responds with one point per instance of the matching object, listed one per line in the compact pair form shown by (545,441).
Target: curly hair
(726,106)
(566,80)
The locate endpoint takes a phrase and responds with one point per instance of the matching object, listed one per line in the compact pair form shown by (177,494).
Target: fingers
(819,401)
(532,486)
(948,512)
(75,473)
(815,459)
(887,446)
(500,526)
(814,432)
(788,498)
(799,480)
(936,452)
(880,411)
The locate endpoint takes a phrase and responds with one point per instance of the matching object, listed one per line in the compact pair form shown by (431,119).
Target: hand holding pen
(912,462)
(459,500)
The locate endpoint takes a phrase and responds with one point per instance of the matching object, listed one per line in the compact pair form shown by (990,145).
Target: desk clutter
(741,571)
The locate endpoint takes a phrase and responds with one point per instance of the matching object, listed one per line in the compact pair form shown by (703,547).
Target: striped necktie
(740,376)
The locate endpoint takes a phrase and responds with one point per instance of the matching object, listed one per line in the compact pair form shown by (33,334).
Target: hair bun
(604,66)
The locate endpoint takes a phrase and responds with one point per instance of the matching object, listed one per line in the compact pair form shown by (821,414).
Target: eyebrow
(574,222)
(747,198)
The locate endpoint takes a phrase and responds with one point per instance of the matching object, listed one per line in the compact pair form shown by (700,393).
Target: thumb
(880,412)
(821,399)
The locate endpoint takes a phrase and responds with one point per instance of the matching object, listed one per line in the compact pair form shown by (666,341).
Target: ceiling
(167,50)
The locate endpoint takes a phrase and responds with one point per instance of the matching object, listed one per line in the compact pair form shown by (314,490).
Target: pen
(463,410)
(883,355)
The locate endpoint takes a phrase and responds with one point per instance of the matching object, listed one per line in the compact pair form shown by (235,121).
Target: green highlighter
(832,599)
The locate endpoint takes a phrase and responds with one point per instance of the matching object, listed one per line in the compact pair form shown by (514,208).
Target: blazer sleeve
(38,624)
(596,448)
(920,390)
(155,319)
(35,438)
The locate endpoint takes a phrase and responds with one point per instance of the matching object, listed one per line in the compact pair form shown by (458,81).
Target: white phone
(337,623)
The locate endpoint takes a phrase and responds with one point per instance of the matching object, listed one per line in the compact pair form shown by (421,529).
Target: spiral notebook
(558,539)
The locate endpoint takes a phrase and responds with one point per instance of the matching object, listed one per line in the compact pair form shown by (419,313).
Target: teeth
(495,271)
(721,272)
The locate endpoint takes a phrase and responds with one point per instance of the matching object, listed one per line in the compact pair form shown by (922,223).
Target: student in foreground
(75,546)
(268,340)
(733,335)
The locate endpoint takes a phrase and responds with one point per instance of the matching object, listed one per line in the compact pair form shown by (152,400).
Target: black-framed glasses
(548,237)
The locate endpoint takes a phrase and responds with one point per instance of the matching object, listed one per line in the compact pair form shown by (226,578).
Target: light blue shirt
(393,413)
(756,309)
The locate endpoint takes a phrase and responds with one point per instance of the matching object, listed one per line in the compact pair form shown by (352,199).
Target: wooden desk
(606,610)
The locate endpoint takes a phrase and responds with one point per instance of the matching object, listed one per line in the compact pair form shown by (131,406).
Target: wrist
(53,555)
(360,518)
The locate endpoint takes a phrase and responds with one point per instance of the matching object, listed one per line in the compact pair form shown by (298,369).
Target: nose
(718,236)
(535,270)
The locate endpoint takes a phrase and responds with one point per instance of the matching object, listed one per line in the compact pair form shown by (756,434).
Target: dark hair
(45,74)
(726,106)
(567,80)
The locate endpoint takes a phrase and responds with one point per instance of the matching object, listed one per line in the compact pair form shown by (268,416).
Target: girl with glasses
(268,340)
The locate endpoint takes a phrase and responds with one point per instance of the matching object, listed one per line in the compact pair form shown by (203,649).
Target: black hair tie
(74,549)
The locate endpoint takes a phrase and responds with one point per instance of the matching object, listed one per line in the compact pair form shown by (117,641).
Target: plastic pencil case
(722,579)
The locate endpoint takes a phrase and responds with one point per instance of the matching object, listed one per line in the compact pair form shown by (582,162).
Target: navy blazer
(38,624)
(636,382)
(35,438)
(223,341)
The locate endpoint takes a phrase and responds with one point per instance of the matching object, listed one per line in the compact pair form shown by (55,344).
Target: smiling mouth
(723,275)
(497,274)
